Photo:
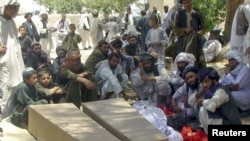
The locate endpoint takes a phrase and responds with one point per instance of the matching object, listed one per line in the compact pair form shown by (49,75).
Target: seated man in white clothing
(110,77)
(212,47)
(237,79)
(151,81)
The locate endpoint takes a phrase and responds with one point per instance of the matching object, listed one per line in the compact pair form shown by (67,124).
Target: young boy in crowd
(24,55)
(72,39)
(156,39)
(24,39)
(60,59)
(52,92)
(26,94)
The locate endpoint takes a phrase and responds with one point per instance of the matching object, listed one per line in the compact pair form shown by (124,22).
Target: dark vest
(227,111)
(195,19)
(156,72)
(195,23)
(44,35)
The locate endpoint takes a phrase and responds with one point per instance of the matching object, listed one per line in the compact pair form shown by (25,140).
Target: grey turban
(235,55)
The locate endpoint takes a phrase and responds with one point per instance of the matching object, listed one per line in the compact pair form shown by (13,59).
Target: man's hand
(119,77)
(233,87)
(184,99)
(177,109)
(227,69)
(88,84)
(141,68)
(59,91)
(199,101)
(188,29)
(83,74)
(248,50)
(2,50)
(200,33)
(148,78)
(157,43)
(125,96)
(174,106)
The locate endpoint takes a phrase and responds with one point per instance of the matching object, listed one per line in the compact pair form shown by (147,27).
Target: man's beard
(150,70)
(113,67)
(195,85)
(106,54)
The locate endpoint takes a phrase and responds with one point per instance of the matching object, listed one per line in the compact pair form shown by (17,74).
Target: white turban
(235,55)
(4,3)
(185,57)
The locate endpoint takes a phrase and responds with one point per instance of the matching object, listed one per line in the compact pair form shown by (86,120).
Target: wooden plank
(123,121)
(64,122)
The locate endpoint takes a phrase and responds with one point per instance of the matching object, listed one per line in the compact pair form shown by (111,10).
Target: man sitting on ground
(151,81)
(110,77)
(181,61)
(217,104)
(237,79)
(100,53)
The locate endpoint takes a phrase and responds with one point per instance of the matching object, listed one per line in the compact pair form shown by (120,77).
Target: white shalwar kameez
(150,90)
(96,30)
(107,81)
(11,63)
(246,43)
(131,22)
(211,49)
(62,30)
(83,29)
(241,76)
(46,43)
(220,97)
(113,29)
(236,41)
(157,35)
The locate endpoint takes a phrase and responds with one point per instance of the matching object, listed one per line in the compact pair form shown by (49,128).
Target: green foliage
(63,6)
(107,5)
(214,11)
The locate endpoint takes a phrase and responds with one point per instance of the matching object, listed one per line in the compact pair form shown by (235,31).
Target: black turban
(117,43)
(27,14)
(145,57)
(61,48)
(190,69)
(210,72)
